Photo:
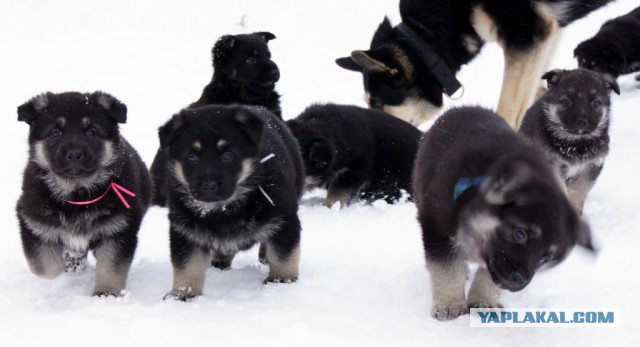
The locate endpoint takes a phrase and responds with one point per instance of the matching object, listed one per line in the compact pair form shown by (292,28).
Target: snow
(362,274)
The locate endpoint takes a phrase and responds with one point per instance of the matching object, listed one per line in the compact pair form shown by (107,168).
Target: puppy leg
(113,261)
(484,293)
(190,263)
(522,72)
(222,261)
(345,187)
(262,253)
(579,186)
(159,173)
(447,283)
(44,258)
(283,252)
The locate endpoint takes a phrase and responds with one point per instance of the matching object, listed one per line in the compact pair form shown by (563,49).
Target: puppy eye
(56,133)
(544,259)
(595,103)
(194,158)
(566,102)
(520,236)
(226,156)
(91,132)
(251,60)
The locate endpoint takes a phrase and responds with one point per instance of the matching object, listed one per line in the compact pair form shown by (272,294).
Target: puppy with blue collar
(485,195)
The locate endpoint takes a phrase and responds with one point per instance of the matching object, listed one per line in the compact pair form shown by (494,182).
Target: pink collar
(113,186)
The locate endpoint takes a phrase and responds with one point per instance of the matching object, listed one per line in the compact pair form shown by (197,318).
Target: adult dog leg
(522,72)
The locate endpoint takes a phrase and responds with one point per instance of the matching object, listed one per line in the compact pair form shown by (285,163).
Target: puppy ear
(552,77)
(372,61)
(265,35)
(610,82)
(250,123)
(503,179)
(321,153)
(349,64)
(167,132)
(223,46)
(30,110)
(113,106)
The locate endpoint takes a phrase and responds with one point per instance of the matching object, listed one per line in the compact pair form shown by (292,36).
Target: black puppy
(243,73)
(615,49)
(571,122)
(236,177)
(84,188)
(409,66)
(485,195)
(352,152)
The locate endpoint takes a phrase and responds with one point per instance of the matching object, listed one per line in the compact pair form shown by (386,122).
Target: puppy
(615,49)
(236,177)
(355,152)
(571,122)
(84,188)
(243,74)
(408,67)
(485,195)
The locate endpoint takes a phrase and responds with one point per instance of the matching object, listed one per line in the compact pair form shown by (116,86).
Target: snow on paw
(445,312)
(75,261)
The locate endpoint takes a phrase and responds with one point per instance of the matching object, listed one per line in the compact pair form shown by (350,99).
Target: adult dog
(408,67)
(84,188)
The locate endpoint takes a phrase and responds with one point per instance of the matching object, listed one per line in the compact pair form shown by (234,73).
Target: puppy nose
(275,74)
(518,279)
(208,187)
(581,123)
(74,155)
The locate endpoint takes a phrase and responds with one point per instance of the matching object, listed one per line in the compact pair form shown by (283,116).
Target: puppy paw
(482,304)
(221,264)
(444,312)
(103,293)
(75,261)
(280,280)
(181,294)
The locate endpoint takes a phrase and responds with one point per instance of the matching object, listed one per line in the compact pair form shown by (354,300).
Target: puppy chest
(230,237)
(570,170)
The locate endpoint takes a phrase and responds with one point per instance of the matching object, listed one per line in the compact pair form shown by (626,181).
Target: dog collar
(465,183)
(118,189)
(430,59)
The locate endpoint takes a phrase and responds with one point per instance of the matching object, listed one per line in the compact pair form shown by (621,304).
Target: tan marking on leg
(188,281)
(333,197)
(48,261)
(111,276)
(447,285)
(283,270)
(578,189)
(522,72)
(484,293)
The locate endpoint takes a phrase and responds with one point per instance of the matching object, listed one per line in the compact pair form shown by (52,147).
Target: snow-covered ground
(362,276)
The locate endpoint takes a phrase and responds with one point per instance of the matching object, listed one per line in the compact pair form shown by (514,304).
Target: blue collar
(464,183)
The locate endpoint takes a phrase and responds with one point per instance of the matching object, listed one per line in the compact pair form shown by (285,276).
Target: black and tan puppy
(84,188)
(355,152)
(408,67)
(615,49)
(485,195)
(236,177)
(571,122)
(243,73)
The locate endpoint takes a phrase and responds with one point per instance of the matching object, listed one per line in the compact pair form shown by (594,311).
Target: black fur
(615,49)
(216,205)
(519,192)
(571,122)
(243,73)
(352,152)
(69,160)
(446,28)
